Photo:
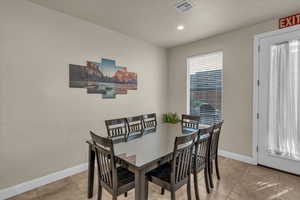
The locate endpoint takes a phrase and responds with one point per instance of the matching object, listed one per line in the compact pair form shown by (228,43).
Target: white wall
(43,122)
(237,47)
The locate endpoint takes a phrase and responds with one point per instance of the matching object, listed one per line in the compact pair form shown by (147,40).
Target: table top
(150,146)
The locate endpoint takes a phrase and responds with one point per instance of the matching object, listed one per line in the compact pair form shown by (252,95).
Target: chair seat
(125,181)
(124,176)
(149,130)
(188,130)
(162,172)
(134,135)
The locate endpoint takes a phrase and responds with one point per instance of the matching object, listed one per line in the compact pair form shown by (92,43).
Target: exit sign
(291,20)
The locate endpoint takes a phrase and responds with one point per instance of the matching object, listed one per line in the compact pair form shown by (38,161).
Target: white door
(279,101)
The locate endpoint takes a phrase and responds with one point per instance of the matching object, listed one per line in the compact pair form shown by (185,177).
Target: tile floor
(239,181)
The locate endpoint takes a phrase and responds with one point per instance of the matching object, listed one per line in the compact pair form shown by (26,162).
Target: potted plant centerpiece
(171,118)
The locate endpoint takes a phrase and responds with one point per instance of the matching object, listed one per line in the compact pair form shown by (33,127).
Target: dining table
(152,148)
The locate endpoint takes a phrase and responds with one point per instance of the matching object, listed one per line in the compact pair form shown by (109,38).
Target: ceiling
(155,21)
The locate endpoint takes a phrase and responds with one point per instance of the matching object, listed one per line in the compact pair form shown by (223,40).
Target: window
(205,86)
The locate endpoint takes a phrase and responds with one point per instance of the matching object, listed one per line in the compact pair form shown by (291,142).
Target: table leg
(140,185)
(91,169)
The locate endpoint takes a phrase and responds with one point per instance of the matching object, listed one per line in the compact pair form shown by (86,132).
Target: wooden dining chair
(173,175)
(117,128)
(215,135)
(149,122)
(116,180)
(189,123)
(135,126)
(201,158)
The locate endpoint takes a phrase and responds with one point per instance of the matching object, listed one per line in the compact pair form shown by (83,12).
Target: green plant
(172,118)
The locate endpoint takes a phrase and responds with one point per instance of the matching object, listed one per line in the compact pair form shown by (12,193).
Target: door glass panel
(284,99)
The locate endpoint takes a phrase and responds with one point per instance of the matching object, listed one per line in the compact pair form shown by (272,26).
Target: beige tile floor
(239,181)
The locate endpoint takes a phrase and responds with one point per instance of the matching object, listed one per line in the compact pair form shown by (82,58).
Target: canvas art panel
(105,78)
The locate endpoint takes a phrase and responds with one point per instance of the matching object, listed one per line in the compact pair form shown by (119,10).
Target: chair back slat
(182,157)
(149,121)
(105,160)
(202,148)
(116,127)
(135,124)
(215,135)
(135,127)
(190,121)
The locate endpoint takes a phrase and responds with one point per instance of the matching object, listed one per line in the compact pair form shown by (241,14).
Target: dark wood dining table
(141,154)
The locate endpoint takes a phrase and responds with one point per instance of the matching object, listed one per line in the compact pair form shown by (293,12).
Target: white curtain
(284,100)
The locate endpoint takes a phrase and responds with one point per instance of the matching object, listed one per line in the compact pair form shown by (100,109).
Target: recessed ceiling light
(180,27)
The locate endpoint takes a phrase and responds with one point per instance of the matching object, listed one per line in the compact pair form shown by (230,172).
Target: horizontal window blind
(206,86)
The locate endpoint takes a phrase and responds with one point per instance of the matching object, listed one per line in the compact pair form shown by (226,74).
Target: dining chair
(116,128)
(149,122)
(135,126)
(215,135)
(116,180)
(201,158)
(173,175)
(189,123)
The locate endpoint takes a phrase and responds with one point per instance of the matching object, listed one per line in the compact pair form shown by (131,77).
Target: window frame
(188,80)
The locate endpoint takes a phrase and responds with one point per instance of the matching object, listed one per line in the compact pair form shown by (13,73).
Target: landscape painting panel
(78,76)
(103,78)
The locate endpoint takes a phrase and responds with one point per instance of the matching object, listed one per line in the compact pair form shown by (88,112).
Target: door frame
(256,67)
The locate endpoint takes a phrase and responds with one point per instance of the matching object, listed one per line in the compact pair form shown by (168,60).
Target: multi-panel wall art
(102,78)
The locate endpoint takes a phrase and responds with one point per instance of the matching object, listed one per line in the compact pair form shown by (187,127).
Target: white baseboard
(239,157)
(35,183)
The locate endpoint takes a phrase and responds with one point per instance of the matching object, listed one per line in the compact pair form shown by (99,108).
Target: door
(279,101)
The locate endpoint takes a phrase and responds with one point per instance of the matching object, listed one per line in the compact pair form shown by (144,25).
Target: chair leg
(217,168)
(146,189)
(162,192)
(125,194)
(99,192)
(196,186)
(210,166)
(206,180)
(189,194)
(173,195)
